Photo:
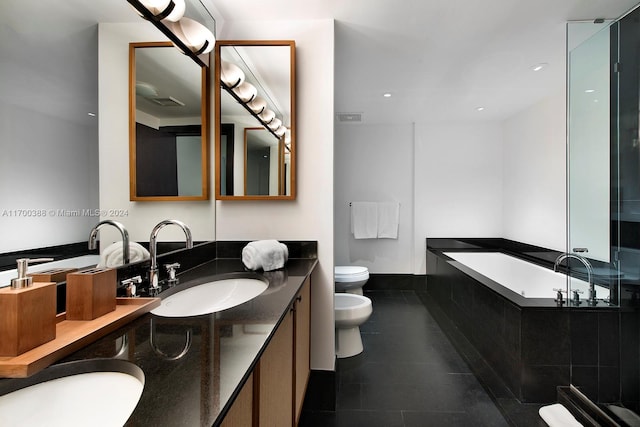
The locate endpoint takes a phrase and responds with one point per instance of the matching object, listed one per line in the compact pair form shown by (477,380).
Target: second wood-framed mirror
(168,124)
(254,92)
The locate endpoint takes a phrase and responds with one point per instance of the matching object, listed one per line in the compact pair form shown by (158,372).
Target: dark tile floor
(410,374)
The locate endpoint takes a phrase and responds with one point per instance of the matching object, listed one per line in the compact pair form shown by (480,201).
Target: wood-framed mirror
(168,124)
(242,170)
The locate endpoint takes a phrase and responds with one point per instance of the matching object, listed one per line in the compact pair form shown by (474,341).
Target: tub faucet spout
(153,270)
(592,291)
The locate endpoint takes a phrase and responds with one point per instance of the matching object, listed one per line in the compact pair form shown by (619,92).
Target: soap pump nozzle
(23,281)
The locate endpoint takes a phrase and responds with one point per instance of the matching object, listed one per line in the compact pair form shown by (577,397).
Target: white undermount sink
(211,296)
(99,392)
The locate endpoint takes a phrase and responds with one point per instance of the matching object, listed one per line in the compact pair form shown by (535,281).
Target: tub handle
(559,298)
(576,296)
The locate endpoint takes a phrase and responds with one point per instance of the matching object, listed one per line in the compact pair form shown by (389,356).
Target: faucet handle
(172,267)
(130,285)
(172,280)
(134,279)
(576,296)
(559,298)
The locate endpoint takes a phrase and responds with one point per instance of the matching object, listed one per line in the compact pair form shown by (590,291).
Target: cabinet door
(276,378)
(302,344)
(241,412)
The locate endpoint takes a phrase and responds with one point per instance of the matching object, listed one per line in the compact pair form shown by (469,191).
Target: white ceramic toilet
(351,311)
(350,279)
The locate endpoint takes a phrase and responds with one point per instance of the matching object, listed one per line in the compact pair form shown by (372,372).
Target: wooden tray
(72,335)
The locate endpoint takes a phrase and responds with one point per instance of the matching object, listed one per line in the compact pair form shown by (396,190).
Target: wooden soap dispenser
(27,312)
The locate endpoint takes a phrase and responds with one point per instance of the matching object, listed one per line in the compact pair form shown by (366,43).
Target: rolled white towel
(112,255)
(265,254)
(556,415)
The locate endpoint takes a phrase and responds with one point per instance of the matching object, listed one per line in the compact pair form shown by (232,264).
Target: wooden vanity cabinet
(275,377)
(280,378)
(241,412)
(285,365)
(302,343)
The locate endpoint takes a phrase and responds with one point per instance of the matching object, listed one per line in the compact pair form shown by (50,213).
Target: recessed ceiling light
(480,109)
(387,95)
(590,90)
(539,66)
(91,114)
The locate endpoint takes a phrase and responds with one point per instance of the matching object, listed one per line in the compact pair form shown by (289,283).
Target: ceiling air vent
(349,117)
(168,102)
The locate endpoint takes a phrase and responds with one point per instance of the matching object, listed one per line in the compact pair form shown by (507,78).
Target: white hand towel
(388,220)
(557,415)
(364,220)
(265,254)
(112,255)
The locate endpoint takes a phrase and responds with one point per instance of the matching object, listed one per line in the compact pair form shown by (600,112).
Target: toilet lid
(351,278)
(350,270)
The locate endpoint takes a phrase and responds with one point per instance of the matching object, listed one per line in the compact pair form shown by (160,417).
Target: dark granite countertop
(197,388)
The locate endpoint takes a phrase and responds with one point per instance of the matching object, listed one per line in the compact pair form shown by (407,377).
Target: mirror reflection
(168,116)
(255,97)
(265,170)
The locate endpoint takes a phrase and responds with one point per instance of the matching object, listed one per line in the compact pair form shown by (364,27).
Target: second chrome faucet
(153,270)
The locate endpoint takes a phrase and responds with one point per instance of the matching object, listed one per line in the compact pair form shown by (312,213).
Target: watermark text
(62,213)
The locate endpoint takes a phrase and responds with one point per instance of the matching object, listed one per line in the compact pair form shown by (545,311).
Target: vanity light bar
(258,117)
(280,131)
(146,14)
(171,10)
(196,37)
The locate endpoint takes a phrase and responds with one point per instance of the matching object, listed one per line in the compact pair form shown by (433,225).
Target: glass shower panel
(589,165)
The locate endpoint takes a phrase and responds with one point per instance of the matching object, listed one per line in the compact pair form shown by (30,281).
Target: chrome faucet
(587,264)
(123,231)
(153,270)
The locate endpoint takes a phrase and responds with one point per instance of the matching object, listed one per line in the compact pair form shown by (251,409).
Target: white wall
(447,177)
(374,163)
(535,174)
(241,123)
(49,159)
(274,169)
(474,179)
(458,183)
(310,216)
(113,60)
